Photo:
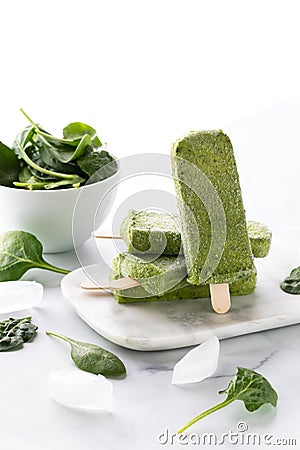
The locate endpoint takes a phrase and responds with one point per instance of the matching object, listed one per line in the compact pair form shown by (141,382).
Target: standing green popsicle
(213,224)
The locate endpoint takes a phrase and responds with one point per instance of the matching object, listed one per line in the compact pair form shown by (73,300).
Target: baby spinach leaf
(45,160)
(14,332)
(50,161)
(291,284)
(25,175)
(19,252)
(98,164)
(31,179)
(26,179)
(94,359)
(23,138)
(54,163)
(39,131)
(75,183)
(66,153)
(250,387)
(41,169)
(77,136)
(9,166)
(77,130)
(33,184)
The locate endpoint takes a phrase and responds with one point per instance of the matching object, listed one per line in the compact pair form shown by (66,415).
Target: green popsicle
(123,265)
(155,232)
(213,224)
(260,238)
(156,275)
(147,231)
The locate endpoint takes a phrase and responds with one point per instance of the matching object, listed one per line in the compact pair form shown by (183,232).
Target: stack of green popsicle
(163,277)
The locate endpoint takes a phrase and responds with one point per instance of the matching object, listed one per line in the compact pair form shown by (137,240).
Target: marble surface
(165,325)
(146,405)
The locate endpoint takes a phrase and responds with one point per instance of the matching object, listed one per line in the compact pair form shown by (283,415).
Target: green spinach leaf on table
(14,332)
(291,284)
(94,359)
(19,252)
(250,387)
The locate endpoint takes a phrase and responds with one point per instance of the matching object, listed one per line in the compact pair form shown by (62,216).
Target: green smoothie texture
(154,232)
(210,154)
(156,275)
(260,238)
(139,227)
(183,290)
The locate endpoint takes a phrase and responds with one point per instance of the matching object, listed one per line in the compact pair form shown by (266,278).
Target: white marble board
(166,325)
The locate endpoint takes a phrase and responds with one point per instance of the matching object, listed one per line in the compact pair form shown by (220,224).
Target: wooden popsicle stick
(121,283)
(220,297)
(104,235)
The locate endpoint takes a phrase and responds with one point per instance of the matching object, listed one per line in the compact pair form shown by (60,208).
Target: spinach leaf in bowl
(39,160)
(76,130)
(98,164)
(9,166)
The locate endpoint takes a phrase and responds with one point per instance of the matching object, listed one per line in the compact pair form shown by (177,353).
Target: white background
(144,72)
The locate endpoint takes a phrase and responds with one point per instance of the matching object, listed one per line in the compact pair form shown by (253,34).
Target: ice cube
(19,295)
(80,390)
(199,363)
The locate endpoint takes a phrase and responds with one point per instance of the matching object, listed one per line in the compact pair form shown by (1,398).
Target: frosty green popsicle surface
(210,153)
(123,265)
(260,238)
(139,226)
(151,231)
(156,275)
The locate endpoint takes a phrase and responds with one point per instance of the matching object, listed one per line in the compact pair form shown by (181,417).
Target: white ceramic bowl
(60,219)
